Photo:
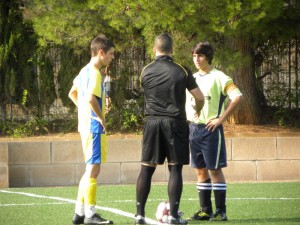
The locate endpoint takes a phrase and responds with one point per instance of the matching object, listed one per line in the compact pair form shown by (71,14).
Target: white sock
(90,210)
(79,208)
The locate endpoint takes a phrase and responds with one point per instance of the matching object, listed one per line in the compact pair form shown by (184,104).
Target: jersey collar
(163,57)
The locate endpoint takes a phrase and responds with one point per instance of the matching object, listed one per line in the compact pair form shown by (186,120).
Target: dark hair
(101,42)
(204,48)
(164,43)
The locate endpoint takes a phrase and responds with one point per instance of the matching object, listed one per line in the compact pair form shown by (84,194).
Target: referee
(166,131)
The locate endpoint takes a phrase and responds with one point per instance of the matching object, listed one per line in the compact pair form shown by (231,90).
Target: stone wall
(4,173)
(58,161)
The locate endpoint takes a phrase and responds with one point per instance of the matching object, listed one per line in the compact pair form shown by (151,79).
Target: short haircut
(101,42)
(163,43)
(204,48)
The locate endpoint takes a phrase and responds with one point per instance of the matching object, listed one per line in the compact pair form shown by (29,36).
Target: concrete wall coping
(76,137)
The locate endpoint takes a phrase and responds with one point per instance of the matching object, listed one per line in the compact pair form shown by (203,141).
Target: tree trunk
(296,72)
(3,111)
(249,110)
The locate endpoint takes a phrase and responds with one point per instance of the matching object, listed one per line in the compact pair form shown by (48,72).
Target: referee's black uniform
(166,130)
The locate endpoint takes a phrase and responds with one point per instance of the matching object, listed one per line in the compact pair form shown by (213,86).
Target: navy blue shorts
(165,138)
(208,148)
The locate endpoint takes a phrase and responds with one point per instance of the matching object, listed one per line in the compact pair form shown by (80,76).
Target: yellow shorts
(94,147)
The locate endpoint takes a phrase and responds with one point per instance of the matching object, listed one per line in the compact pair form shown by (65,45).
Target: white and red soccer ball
(163,212)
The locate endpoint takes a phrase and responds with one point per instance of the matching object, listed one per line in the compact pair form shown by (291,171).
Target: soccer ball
(163,211)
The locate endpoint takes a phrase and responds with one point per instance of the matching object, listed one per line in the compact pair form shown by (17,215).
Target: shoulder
(195,74)
(148,66)
(94,70)
(85,69)
(82,73)
(185,69)
(219,73)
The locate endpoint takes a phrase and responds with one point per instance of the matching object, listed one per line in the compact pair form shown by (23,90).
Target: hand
(212,124)
(100,121)
(196,115)
(104,126)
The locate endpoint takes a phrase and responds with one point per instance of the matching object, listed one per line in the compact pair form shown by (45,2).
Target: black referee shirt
(164,83)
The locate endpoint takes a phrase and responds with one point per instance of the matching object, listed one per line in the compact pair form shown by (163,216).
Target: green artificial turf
(247,203)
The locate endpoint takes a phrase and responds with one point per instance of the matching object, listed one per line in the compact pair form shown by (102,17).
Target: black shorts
(165,138)
(208,148)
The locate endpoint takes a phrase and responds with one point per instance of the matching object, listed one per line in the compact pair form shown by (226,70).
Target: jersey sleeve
(229,88)
(191,82)
(76,82)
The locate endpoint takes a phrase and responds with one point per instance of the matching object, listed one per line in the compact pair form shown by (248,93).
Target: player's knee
(93,170)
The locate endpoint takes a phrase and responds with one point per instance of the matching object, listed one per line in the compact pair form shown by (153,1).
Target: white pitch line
(261,198)
(196,199)
(116,211)
(151,200)
(34,204)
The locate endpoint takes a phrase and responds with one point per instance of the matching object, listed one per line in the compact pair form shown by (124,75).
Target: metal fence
(279,74)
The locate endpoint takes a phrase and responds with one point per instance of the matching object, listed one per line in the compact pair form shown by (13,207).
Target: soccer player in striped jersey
(87,93)
(207,143)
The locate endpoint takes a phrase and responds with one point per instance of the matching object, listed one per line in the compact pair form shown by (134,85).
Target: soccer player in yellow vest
(87,93)
(207,143)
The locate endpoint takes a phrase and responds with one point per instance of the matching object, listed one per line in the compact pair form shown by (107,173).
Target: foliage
(275,66)
(37,126)
(227,24)
(18,129)
(69,22)
(282,117)
(47,92)
(128,118)
(66,125)
(17,45)
(278,95)
(70,64)
(126,114)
